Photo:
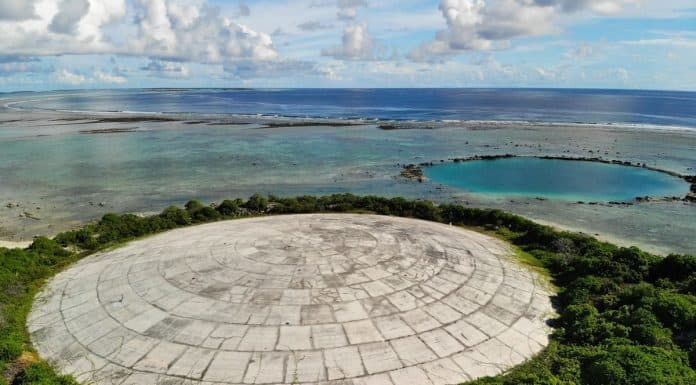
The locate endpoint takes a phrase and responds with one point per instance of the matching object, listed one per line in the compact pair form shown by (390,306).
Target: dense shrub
(205,214)
(192,206)
(676,311)
(257,203)
(47,248)
(229,207)
(583,324)
(83,238)
(674,267)
(639,365)
(173,217)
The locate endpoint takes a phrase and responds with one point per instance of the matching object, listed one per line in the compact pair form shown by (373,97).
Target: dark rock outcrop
(413,172)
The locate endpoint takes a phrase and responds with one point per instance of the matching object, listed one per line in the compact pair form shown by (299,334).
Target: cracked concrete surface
(302,299)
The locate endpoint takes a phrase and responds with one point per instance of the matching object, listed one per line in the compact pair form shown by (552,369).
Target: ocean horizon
(544,105)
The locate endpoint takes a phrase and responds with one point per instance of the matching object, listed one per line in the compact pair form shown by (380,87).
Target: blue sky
(65,44)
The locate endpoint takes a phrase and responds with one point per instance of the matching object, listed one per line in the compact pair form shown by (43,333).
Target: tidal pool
(557,179)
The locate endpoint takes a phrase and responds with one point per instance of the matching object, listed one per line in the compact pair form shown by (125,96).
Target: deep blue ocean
(668,108)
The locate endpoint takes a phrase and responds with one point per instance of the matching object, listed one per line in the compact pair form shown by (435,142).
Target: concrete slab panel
(311,299)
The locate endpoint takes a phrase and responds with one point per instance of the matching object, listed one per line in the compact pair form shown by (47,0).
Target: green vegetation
(626,317)
(21,274)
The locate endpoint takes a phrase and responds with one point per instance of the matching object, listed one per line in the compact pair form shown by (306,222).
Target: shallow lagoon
(66,168)
(557,179)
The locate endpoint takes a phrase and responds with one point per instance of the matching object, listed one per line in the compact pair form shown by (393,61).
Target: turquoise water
(556,179)
(65,169)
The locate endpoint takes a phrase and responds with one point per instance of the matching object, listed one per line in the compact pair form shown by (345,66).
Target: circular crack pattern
(297,299)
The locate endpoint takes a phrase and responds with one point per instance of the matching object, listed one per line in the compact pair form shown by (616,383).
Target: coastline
(14,244)
(237,157)
(605,237)
(22,242)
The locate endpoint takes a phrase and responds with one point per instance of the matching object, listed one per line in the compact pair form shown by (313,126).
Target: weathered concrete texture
(349,299)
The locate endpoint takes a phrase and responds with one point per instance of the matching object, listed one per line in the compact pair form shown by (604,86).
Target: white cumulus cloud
(17,9)
(356,44)
(348,9)
(70,12)
(491,24)
(63,27)
(197,34)
(109,78)
(67,77)
(182,30)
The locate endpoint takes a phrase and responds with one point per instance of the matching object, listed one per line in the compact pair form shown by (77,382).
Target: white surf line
(11,105)
(534,123)
(447,122)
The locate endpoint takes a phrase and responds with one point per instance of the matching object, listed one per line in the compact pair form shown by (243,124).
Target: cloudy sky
(63,44)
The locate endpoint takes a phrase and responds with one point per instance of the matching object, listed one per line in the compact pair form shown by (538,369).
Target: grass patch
(626,317)
(525,258)
(22,274)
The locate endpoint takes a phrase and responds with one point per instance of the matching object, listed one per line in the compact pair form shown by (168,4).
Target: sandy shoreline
(15,244)
(602,236)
